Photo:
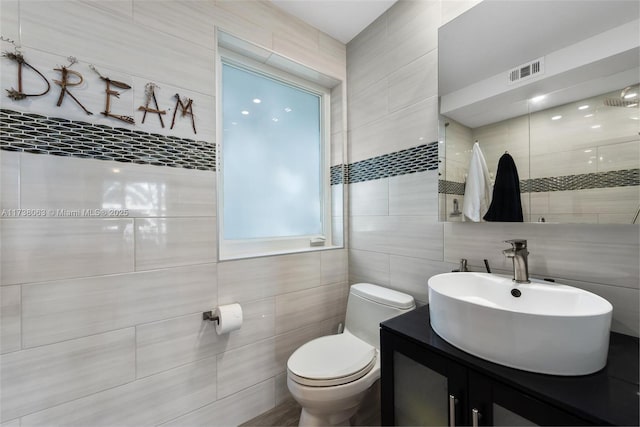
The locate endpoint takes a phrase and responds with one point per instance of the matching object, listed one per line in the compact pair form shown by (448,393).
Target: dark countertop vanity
(608,397)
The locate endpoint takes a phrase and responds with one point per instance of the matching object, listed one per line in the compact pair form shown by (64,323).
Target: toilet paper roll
(229,318)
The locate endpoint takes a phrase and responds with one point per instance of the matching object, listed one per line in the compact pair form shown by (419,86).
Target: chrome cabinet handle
(452,410)
(475,416)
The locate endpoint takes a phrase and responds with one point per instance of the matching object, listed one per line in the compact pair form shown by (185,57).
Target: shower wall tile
(146,402)
(413,236)
(298,309)
(172,242)
(42,249)
(173,342)
(414,194)
(334,267)
(625,155)
(91,305)
(10,180)
(232,410)
(366,266)
(10,319)
(616,200)
(52,182)
(38,378)
(258,278)
(572,163)
(369,197)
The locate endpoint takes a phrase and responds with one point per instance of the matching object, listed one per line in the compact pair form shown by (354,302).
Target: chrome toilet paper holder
(208,315)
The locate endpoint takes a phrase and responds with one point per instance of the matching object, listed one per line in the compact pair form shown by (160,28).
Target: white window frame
(237,249)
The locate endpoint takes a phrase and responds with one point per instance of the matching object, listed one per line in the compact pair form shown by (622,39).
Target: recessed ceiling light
(558,117)
(538,98)
(115,170)
(583,107)
(589,115)
(588,151)
(595,126)
(630,95)
(244,112)
(257,100)
(287,109)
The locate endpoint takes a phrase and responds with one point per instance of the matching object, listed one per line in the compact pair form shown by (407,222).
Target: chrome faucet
(518,253)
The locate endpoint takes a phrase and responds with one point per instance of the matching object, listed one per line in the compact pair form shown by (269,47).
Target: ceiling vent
(526,71)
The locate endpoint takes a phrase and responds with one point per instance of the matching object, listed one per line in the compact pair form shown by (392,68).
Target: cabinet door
(419,387)
(495,404)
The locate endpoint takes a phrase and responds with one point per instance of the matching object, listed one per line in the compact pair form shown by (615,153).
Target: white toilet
(329,376)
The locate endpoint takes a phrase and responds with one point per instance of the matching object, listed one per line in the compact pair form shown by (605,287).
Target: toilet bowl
(329,376)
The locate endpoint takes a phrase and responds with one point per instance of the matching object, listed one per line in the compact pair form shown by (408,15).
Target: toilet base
(340,418)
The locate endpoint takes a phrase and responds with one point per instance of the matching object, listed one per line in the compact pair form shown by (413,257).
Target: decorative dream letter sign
(107,112)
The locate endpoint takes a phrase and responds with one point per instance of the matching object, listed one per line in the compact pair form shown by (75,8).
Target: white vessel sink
(550,329)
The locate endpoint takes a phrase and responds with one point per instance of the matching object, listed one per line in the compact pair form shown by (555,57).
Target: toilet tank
(368,305)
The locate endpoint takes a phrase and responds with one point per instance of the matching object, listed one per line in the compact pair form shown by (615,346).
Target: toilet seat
(331,360)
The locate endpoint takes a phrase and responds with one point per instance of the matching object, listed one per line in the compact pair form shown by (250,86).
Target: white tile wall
(41,377)
(168,242)
(49,182)
(10,319)
(401,248)
(414,194)
(303,308)
(173,342)
(251,279)
(369,197)
(10,180)
(35,250)
(232,410)
(75,308)
(124,342)
(146,402)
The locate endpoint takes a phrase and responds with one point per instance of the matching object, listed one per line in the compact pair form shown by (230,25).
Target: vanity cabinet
(426,381)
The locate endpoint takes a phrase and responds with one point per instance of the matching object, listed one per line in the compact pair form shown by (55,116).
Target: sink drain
(516,293)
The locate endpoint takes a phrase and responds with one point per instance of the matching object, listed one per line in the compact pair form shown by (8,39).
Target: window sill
(263,254)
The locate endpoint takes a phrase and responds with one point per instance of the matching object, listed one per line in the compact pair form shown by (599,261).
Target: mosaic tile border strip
(337,174)
(450,187)
(416,159)
(586,181)
(33,133)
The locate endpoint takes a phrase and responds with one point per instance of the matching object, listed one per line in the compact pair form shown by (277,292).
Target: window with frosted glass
(271,157)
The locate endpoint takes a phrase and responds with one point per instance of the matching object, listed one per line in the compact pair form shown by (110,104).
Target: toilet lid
(331,360)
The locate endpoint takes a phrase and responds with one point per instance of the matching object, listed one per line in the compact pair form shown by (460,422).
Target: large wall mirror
(552,87)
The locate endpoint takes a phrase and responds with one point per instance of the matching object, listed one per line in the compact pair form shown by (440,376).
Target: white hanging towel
(477,191)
